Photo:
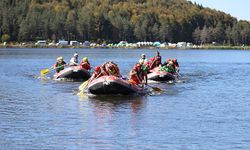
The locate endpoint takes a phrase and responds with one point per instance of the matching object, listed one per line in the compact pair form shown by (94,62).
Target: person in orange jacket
(85,63)
(137,75)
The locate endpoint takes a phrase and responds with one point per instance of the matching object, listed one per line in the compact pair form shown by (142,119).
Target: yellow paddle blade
(44,71)
(157,89)
(80,93)
(83,85)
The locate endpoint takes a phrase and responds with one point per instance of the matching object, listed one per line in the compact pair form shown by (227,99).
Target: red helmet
(175,60)
(168,60)
(138,66)
(97,69)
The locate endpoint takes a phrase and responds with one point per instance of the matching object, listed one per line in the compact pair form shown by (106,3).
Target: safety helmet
(175,60)
(168,60)
(85,59)
(171,63)
(97,69)
(143,55)
(134,68)
(59,59)
(75,55)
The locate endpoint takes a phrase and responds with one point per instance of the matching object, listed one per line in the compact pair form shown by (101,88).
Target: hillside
(115,20)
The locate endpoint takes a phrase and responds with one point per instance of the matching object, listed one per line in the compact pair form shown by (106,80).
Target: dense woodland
(116,20)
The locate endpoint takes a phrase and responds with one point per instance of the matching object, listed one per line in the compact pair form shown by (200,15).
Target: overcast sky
(237,8)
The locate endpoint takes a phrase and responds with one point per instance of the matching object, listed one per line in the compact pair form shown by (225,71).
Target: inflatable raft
(157,75)
(73,72)
(112,85)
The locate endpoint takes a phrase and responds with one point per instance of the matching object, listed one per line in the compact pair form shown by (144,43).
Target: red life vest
(85,65)
(136,78)
(154,62)
(113,70)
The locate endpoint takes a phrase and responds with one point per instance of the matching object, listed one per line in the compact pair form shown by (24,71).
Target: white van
(74,43)
(62,42)
(41,43)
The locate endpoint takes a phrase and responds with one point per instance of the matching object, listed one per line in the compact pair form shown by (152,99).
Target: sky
(236,8)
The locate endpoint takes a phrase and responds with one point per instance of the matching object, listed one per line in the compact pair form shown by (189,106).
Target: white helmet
(75,55)
(143,56)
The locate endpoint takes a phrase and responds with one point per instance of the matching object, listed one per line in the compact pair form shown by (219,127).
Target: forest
(117,20)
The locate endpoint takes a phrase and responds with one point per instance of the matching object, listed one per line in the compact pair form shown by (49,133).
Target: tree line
(116,20)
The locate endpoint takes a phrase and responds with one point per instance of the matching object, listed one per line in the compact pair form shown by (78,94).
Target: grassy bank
(223,47)
(32,45)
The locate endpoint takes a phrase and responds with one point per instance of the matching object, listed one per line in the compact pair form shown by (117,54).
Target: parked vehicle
(74,43)
(62,43)
(41,43)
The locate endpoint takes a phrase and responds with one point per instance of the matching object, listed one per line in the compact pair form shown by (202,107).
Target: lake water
(209,109)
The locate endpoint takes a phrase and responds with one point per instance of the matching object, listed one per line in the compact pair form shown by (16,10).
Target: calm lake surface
(209,109)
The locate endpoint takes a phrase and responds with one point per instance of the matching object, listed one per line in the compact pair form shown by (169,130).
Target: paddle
(156,88)
(83,85)
(178,75)
(46,71)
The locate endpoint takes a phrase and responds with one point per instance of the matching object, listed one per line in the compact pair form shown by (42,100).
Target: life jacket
(143,61)
(150,63)
(59,67)
(85,65)
(103,69)
(136,78)
(73,61)
(111,69)
(154,62)
(170,69)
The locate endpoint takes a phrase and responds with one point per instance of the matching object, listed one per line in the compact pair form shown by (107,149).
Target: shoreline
(204,47)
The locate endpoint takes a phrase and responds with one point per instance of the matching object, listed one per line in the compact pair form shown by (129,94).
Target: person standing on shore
(74,60)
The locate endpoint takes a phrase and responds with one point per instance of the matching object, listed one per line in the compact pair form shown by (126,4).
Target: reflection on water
(113,101)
